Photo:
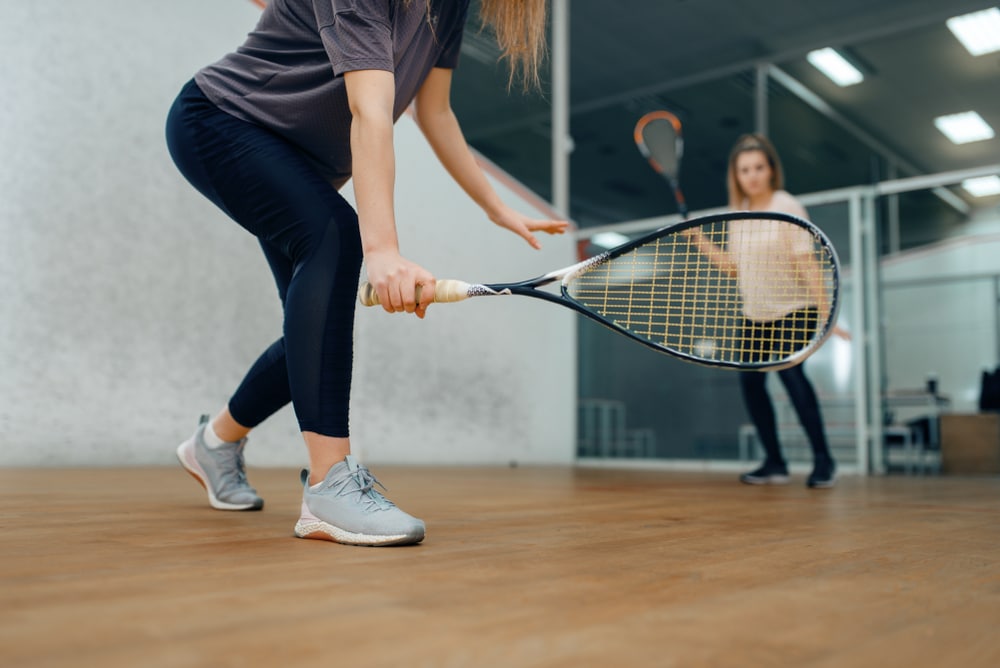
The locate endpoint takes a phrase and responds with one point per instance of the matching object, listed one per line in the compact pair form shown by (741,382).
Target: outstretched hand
(525,227)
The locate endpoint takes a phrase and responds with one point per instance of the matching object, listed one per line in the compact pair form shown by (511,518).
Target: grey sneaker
(220,471)
(346,508)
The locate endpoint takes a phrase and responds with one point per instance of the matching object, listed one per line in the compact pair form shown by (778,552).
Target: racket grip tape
(446,290)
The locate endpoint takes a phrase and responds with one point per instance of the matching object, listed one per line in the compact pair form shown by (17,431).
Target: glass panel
(954,340)
(635,402)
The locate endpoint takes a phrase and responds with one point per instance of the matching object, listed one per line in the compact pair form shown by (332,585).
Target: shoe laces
(364,485)
(236,475)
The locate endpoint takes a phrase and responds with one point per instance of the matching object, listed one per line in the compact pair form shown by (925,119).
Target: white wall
(947,328)
(129,304)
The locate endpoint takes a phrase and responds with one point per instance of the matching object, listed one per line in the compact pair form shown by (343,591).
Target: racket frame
(529,288)
(671,174)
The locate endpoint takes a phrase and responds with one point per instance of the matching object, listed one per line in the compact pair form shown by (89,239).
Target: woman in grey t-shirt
(269,133)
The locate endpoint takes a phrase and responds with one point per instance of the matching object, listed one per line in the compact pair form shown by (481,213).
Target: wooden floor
(521,567)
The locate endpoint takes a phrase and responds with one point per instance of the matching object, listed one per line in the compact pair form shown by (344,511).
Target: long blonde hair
(752,142)
(519,27)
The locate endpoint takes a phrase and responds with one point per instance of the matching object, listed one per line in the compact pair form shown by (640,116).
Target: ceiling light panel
(608,239)
(831,63)
(982,186)
(965,127)
(979,32)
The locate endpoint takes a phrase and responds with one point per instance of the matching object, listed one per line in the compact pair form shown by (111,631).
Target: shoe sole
(185,455)
(821,485)
(317,529)
(770,480)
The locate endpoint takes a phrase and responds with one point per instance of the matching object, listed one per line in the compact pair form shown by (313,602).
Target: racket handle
(446,290)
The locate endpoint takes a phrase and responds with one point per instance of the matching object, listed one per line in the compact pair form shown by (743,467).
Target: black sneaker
(824,475)
(767,474)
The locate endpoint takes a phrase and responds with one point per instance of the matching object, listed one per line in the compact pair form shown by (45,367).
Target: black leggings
(803,398)
(782,337)
(762,341)
(310,237)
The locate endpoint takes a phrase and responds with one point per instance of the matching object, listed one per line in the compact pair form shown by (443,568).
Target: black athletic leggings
(793,329)
(310,237)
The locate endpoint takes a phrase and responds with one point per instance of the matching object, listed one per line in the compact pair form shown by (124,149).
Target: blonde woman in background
(773,316)
(756,182)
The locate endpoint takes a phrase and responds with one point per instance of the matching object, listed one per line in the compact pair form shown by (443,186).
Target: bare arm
(439,125)
(370,95)
(807,265)
(715,254)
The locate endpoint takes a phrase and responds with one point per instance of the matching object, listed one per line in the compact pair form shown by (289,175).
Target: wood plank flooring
(521,567)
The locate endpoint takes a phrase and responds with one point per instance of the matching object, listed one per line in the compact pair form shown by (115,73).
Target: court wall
(129,304)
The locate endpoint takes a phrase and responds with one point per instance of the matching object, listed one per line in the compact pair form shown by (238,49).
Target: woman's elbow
(427,116)
(418,117)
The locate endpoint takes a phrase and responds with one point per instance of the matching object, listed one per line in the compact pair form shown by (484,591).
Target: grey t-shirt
(288,74)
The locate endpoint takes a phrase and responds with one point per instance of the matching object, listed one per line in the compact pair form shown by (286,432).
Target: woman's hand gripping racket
(658,137)
(663,291)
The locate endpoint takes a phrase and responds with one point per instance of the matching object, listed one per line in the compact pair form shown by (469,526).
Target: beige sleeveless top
(765,253)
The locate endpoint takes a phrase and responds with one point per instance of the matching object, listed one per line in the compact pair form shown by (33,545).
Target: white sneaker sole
(185,455)
(310,526)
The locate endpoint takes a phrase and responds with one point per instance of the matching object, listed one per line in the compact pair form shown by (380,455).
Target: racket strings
(751,291)
(661,140)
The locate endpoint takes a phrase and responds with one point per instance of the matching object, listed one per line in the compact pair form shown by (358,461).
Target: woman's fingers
(402,289)
(529,226)
(524,227)
(424,295)
(548,226)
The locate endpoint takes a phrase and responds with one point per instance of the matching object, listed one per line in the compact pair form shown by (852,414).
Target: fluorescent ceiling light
(979,32)
(832,64)
(964,128)
(982,186)
(608,239)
